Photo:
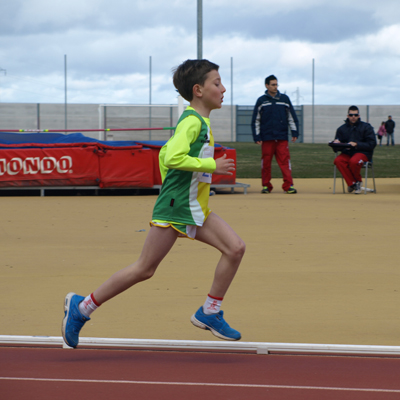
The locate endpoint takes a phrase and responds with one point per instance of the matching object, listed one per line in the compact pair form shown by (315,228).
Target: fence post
(38,115)
(105,122)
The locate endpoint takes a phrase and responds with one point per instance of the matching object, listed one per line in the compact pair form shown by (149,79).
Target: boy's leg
(157,245)
(282,155)
(267,152)
(217,233)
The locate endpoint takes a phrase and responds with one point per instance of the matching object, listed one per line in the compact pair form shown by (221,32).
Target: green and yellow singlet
(186,166)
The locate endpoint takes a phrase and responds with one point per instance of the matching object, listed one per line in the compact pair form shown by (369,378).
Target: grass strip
(310,160)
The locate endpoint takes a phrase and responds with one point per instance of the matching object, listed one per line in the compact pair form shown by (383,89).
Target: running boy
(186,165)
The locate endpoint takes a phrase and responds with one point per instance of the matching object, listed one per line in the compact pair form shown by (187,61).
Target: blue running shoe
(216,324)
(73,319)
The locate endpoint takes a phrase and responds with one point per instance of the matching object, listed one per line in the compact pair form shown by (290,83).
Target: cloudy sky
(109,43)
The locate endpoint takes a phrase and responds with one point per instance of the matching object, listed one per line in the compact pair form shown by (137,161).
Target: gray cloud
(108,47)
(322,24)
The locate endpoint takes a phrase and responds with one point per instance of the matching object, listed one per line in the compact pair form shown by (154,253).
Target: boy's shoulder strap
(186,113)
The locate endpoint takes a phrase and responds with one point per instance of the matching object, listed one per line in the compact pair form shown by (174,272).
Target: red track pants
(280,149)
(350,167)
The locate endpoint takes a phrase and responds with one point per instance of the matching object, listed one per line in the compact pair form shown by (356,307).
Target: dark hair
(353,108)
(270,78)
(190,73)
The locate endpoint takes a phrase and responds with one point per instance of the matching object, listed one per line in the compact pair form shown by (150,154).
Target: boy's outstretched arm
(225,166)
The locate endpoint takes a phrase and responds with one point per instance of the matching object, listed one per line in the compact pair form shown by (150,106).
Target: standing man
(361,138)
(389,126)
(272,116)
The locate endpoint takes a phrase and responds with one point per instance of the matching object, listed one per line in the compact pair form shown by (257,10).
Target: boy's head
(190,73)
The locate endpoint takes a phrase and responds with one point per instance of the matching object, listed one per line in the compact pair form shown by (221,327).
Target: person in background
(389,126)
(273,114)
(361,138)
(381,132)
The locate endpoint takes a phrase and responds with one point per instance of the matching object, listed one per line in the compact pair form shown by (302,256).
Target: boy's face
(213,90)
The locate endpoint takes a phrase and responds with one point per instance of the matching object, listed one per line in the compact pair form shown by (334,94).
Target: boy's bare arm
(225,166)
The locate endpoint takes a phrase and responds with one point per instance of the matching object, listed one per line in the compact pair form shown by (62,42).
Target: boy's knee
(238,249)
(145,274)
(242,247)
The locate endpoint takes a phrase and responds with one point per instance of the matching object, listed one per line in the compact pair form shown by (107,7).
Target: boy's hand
(224,166)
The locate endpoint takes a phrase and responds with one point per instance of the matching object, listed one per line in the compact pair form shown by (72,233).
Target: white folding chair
(369,165)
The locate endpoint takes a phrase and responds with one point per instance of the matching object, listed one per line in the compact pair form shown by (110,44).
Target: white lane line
(234,385)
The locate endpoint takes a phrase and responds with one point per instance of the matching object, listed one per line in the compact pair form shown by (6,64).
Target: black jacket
(362,133)
(272,117)
(389,126)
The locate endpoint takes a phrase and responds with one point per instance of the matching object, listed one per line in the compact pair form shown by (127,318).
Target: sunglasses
(354,115)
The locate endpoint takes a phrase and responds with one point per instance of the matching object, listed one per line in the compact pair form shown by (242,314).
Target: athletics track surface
(305,290)
(53,373)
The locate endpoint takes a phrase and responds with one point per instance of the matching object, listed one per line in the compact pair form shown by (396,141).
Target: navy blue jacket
(389,126)
(362,133)
(272,117)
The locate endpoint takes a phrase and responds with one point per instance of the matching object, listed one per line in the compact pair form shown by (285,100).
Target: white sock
(212,305)
(87,306)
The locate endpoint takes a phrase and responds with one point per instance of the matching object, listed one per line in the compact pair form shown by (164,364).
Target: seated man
(361,138)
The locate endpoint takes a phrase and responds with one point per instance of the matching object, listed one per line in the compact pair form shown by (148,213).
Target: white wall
(91,116)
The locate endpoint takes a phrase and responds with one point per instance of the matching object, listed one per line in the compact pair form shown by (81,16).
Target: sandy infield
(319,268)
